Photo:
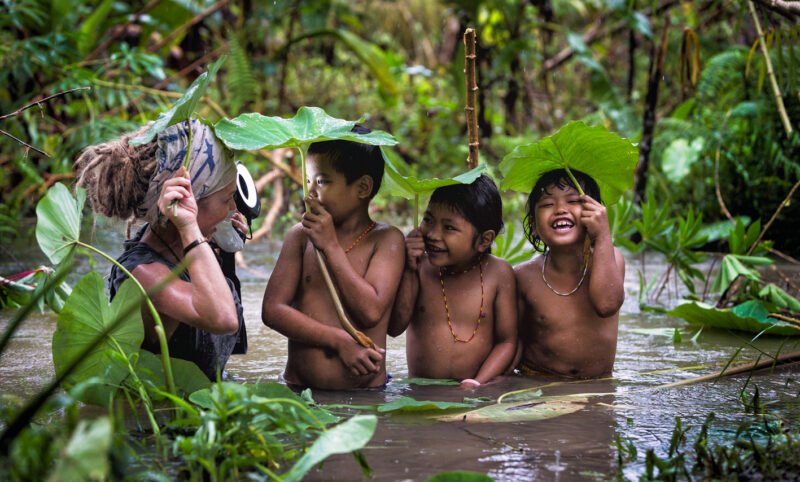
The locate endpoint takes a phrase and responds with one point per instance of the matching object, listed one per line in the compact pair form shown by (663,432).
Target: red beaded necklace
(361,236)
(447,308)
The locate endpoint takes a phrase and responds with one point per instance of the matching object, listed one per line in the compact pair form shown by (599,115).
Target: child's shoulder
(529,267)
(499,266)
(384,234)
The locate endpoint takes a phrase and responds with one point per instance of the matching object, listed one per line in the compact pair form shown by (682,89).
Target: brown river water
(577,446)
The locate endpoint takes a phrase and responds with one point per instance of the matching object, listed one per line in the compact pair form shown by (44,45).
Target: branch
(770,73)
(37,102)
(25,143)
(792,9)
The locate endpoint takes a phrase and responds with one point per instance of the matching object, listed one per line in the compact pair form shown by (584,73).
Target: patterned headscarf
(211,167)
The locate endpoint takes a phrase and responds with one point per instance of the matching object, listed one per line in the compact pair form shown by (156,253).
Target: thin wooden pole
(472,94)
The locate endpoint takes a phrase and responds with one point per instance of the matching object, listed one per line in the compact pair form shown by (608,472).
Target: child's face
(331,188)
(450,240)
(558,216)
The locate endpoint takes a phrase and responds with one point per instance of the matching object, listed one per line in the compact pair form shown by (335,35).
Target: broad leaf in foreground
(58,224)
(750,316)
(85,317)
(603,155)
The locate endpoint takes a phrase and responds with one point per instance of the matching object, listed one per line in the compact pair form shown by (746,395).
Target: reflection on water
(578,446)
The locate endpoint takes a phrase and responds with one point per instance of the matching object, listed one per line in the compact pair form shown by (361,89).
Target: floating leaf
(85,317)
(750,316)
(254,131)
(426,381)
(460,476)
(58,225)
(408,404)
(603,155)
(350,435)
(541,409)
(183,108)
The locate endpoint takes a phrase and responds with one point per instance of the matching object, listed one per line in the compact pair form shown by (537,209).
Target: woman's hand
(177,201)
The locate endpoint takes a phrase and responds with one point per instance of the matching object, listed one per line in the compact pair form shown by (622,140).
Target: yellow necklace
(447,308)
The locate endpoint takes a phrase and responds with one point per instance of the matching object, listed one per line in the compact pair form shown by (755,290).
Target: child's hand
(178,190)
(318,225)
(470,383)
(359,360)
(415,248)
(595,217)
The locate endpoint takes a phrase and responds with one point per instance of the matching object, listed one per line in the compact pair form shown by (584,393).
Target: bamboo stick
(472,94)
(748,367)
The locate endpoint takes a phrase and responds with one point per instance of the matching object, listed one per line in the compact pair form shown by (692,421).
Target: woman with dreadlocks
(200,310)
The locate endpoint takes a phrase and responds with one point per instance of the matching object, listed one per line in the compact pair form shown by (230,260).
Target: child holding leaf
(365,259)
(457,300)
(569,296)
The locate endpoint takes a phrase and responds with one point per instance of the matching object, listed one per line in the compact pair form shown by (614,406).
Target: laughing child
(457,300)
(569,307)
(365,260)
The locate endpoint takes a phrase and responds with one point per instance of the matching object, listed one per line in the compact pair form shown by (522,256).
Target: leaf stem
(162,339)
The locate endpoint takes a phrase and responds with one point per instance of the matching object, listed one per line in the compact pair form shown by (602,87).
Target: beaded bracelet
(192,245)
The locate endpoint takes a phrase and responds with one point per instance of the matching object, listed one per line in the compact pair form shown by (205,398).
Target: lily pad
(408,404)
(58,225)
(609,159)
(460,476)
(427,381)
(527,411)
(350,435)
(86,316)
(253,131)
(183,108)
(750,316)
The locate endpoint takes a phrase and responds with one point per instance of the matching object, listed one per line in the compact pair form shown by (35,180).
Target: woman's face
(214,209)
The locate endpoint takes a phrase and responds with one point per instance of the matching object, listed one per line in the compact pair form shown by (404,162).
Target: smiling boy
(569,307)
(457,300)
(365,260)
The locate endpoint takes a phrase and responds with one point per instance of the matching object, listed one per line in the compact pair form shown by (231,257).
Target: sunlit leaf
(749,316)
(409,186)
(86,315)
(528,411)
(254,131)
(58,222)
(350,435)
(183,108)
(603,155)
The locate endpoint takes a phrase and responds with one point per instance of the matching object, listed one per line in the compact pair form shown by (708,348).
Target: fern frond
(241,82)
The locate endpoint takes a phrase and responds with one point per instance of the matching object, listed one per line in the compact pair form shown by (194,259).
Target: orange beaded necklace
(360,237)
(447,308)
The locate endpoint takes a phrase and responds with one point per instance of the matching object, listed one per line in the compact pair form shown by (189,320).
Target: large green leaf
(253,131)
(409,187)
(408,404)
(605,156)
(183,108)
(85,317)
(527,411)
(750,316)
(58,222)
(188,377)
(348,436)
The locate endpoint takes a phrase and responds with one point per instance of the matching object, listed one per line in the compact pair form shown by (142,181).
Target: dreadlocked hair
(116,175)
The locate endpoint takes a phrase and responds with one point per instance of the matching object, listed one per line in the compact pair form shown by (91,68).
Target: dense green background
(399,66)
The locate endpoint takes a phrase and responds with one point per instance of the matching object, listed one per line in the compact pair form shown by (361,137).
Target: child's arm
(406,299)
(278,312)
(505,329)
(606,283)
(366,298)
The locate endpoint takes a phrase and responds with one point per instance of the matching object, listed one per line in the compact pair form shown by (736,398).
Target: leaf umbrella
(254,131)
(605,156)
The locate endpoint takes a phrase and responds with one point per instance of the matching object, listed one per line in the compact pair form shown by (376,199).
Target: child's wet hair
(479,203)
(560,179)
(352,159)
